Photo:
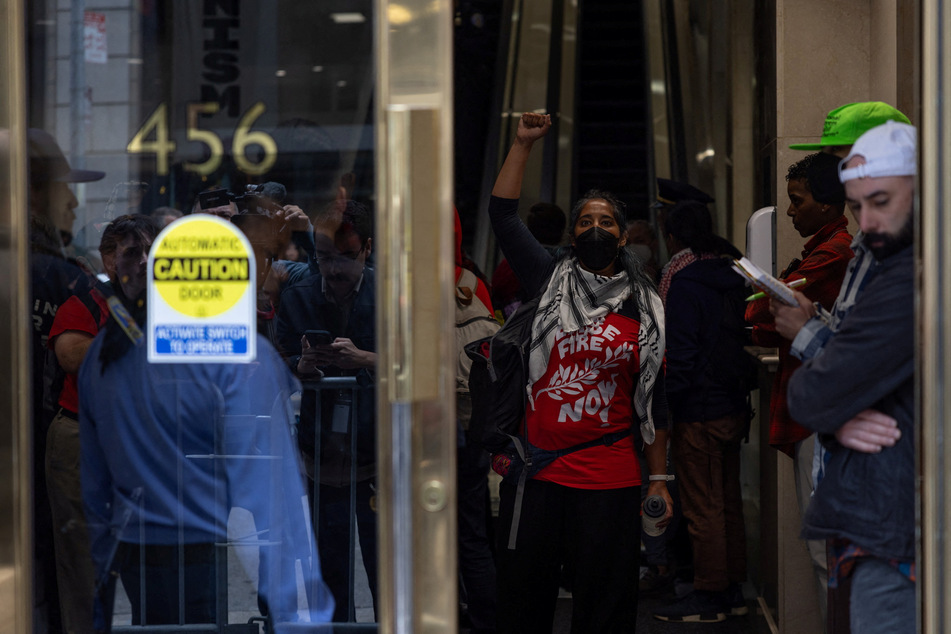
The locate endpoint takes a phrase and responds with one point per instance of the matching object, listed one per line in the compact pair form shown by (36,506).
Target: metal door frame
(416,368)
(16,544)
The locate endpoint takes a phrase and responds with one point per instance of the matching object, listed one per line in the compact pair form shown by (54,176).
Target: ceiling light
(348,18)
(397,14)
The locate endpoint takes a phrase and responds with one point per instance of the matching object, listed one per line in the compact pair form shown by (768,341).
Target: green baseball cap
(847,123)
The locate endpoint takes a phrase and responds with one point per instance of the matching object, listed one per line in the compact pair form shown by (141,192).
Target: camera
(259,200)
(257,215)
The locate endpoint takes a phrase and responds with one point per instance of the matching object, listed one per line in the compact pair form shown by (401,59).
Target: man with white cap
(809,328)
(859,396)
(843,127)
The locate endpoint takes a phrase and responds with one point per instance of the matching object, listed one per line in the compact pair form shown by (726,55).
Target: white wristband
(664,477)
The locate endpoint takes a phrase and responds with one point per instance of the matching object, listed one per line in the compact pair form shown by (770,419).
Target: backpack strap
(89,300)
(607,440)
(519,489)
(528,466)
(53,373)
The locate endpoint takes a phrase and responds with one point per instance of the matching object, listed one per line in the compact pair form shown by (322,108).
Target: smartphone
(318,337)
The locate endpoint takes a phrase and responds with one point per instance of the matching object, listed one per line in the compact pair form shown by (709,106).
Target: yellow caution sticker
(202,301)
(201,268)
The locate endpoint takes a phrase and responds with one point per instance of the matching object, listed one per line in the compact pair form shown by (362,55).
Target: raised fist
(532,127)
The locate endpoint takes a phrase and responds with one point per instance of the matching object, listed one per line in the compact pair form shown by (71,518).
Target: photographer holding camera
(271,227)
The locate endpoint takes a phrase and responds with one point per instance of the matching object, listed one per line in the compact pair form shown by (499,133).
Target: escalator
(596,78)
(612,149)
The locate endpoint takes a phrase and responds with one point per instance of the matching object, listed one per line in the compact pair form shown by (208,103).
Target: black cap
(47,163)
(672,192)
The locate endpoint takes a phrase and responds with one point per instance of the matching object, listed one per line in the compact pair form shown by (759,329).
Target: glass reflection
(266,106)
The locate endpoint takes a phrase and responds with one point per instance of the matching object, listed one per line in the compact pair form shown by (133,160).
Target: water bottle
(654,510)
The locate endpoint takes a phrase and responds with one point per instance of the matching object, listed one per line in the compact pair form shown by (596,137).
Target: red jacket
(824,261)
(481,291)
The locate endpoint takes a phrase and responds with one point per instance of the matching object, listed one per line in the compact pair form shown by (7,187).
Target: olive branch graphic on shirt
(571,380)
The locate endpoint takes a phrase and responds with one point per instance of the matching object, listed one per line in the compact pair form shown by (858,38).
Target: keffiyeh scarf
(677,263)
(575,299)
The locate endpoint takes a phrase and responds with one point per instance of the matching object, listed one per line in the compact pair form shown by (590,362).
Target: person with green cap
(817,205)
(859,396)
(809,333)
(845,124)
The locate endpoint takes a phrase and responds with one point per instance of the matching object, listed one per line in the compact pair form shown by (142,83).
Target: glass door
(322,132)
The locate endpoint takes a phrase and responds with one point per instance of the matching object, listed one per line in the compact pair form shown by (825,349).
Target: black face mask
(596,248)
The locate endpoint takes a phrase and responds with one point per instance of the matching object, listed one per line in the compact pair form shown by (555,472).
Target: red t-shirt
(73,315)
(585,393)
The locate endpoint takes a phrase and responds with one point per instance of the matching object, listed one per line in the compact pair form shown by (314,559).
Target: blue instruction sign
(202,340)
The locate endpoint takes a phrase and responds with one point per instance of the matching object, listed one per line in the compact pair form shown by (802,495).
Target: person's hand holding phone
(316,351)
(346,355)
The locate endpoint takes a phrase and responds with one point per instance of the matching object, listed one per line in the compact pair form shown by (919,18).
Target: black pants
(158,566)
(594,534)
(476,566)
(332,525)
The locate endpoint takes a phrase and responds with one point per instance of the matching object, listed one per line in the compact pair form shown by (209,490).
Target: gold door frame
(416,368)
(16,546)
(933,343)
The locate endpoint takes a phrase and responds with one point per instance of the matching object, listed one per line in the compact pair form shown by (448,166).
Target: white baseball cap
(890,149)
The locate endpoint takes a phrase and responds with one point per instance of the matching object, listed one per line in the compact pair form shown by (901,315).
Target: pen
(794,284)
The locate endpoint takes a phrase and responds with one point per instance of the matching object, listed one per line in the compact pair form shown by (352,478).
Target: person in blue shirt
(167,450)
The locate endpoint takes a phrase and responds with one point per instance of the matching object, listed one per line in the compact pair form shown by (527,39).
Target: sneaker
(653,582)
(735,602)
(682,587)
(697,607)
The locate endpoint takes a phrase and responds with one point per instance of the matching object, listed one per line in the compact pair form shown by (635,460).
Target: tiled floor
(753,623)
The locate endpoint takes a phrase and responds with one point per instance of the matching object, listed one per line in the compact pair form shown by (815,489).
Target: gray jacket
(869,363)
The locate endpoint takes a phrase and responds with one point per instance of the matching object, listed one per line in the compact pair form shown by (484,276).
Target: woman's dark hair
(691,224)
(617,207)
(631,263)
(627,258)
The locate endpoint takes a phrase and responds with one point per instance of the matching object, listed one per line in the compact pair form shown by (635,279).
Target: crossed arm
(871,355)
(869,431)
